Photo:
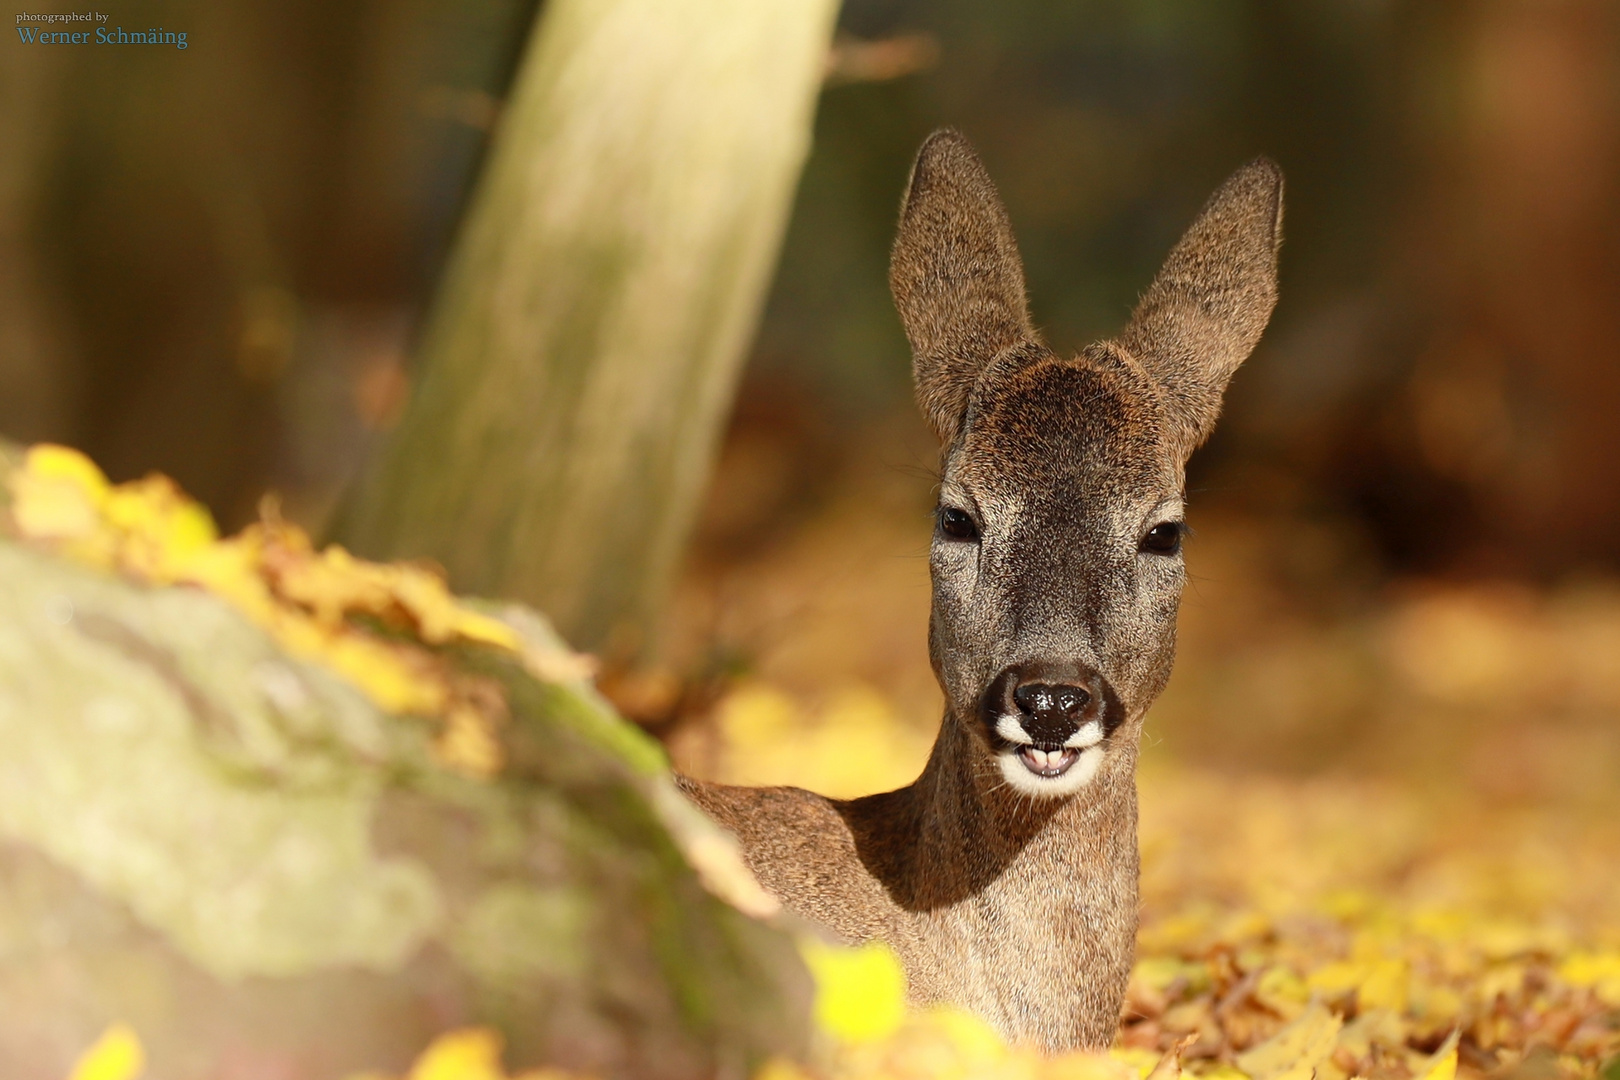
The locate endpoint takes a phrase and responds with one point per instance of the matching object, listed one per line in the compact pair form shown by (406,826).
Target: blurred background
(216,264)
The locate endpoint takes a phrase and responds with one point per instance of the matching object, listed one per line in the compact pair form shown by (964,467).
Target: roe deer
(1005,877)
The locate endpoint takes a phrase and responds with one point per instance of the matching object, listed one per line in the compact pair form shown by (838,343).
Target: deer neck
(959,831)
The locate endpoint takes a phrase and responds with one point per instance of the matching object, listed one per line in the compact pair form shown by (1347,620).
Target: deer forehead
(1065,440)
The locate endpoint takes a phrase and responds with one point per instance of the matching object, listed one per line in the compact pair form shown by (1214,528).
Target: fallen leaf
(860,990)
(1295,1051)
(1169,1066)
(1442,1065)
(467,1054)
(117,1055)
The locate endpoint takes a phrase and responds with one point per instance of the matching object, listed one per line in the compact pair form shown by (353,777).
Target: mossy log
(233,851)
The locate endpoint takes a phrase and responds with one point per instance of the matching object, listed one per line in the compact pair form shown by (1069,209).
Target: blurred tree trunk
(582,353)
(1501,439)
(36,383)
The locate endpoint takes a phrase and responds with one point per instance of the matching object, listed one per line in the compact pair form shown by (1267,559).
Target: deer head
(1056,557)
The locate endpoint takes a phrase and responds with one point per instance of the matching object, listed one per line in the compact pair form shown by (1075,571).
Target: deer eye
(956,524)
(1164,538)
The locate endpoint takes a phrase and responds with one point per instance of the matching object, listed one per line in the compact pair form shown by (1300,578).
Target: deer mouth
(1041,764)
(1048,761)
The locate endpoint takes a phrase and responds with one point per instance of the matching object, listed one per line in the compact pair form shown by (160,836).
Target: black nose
(1053,709)
(1056,700)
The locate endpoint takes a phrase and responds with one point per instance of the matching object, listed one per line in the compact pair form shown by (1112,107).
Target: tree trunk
(583,350)
(36,375)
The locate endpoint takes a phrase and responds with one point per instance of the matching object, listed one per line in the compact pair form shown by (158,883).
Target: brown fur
(1022,907)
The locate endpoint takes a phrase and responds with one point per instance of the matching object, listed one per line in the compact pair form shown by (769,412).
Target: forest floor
(1379,818)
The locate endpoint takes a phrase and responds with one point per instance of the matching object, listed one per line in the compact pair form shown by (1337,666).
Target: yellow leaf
(1283,992)
(1225,1072)
(394,676)
(1088,1066)
(780,1069)
(439,617)
(468,743)
(158,526)
(471,625)
(969,1036)
(1169,1066)
(48,461)
(1177,932)
(467,1054)
(1385,986)
(1439,1006)
(1158,972)
(230,570)
(1140,1061)
(1296,1050)
(329,584)
(1374,1028)
(860,991)
(334,583)
(117,1055)
(1196,1017)
(1598,970)
(1338,977)
(1443,1065)
(58,494)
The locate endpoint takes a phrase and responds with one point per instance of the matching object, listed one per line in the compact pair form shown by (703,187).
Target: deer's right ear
(956,277)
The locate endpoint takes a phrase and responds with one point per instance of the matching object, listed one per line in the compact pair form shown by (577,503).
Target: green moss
(514,933)
(140,727)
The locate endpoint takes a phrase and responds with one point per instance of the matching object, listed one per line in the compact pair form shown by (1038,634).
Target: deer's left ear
(1205,311)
